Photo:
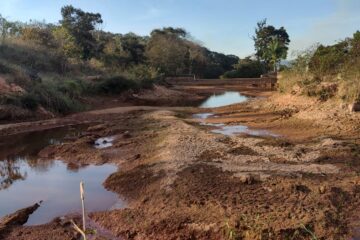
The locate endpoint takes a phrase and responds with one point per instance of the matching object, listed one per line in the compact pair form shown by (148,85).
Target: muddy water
(25,179)
(225,99)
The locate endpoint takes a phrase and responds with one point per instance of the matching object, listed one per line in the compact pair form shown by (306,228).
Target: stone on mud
(354,107)
(248,179)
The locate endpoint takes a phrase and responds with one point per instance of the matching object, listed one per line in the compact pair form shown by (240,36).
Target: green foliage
(41,35)
(326,71)
(31,56)
(29,101)
(271,44)
(80,25)
(328,60)
(52,98)
(48,60)
(167,52)
(246,68)
(114,85)
(171,52)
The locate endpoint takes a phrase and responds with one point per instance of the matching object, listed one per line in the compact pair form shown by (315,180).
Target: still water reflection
(25,179)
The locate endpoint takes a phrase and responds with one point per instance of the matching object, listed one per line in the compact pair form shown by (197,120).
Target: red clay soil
(182,181)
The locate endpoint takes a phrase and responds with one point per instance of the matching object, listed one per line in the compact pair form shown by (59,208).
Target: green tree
(80,25)
(246,68)
(328,60)
(134,46)
(167,51)
(8,28)
(274,53)
(271,44)
(40,35)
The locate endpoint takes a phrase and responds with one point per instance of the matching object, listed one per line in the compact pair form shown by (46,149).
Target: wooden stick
(82,196)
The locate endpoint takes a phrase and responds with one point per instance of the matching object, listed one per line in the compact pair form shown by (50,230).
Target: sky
(221,25)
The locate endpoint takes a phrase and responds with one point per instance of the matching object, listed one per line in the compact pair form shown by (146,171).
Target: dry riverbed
(181,180)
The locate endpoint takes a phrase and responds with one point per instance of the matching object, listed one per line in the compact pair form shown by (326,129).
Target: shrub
(32,56)
(328,60)
(246,68)
(114,85)
(50,97)
(29,101)
(4,68)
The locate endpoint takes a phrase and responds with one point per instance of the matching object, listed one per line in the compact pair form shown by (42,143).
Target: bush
(115,85)
(32,56)
(328,60)
(326,72)
(29,101)
(246,68)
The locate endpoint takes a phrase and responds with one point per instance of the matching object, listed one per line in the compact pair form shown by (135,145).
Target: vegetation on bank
(56,65)
(271,46)
(326,71)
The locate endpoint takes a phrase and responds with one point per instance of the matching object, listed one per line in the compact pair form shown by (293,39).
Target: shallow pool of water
(25,179)
(236,129)
(230,130)
(224,99)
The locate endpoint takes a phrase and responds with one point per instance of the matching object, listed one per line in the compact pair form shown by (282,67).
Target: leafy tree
(271,44)
(41,36)
(246,68)
(134,45)
(355,45)
(178,32)
(80,25)
(327,60)
(167,52)
(8,28)
(274,53)
(67,43)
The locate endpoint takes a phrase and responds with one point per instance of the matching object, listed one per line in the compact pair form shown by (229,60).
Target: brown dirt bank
(184,182)
(294,117)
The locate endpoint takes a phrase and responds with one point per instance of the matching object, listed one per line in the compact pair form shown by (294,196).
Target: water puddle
(202,115)
(236,129)
(224,99)
(25,179)
(104,142)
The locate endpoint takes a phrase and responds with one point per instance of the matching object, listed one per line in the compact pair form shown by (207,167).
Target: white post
(82,196)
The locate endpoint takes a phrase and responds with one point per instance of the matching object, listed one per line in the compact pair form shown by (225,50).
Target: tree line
(168,51)
(78,37)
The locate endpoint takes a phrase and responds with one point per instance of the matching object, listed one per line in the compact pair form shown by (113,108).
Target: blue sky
(221,25)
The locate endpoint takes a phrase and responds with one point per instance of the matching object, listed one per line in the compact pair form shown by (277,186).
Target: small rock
(268,189)
(354,107)
(246,179)
(127,134)
(322,189)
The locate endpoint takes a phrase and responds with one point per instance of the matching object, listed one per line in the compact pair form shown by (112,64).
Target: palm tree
(274,52)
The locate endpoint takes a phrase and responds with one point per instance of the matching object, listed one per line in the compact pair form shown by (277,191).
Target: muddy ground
(182,181)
